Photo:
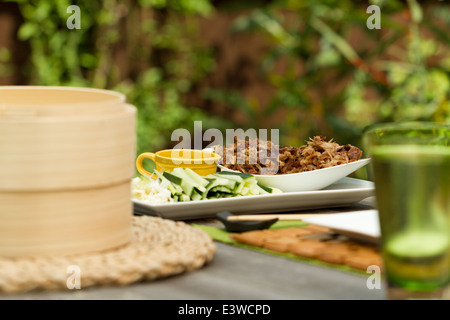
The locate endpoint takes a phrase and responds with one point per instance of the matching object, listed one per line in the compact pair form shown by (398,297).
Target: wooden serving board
(315,242)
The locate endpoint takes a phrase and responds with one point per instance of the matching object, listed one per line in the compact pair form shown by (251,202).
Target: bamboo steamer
(65,170)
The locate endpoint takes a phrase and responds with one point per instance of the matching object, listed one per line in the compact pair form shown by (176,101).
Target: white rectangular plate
(362,225)
(341,193)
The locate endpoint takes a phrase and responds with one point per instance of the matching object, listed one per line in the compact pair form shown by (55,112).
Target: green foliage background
(163,56)
(152,51)
(398,74)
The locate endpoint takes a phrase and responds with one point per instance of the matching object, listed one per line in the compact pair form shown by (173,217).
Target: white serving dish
(309,180)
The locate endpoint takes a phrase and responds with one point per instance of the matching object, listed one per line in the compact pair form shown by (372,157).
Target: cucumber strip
(178,189)
(214,195)
(229,177)
(245,191)
(228,195)
(212,184)
(184,197)
(239,188)
(228,185)
(196,196)
(240,174)
(173,188)
(196,177)
(184,175)
(221,189)
(276,190)
(187,184)
(231,184)
(160,176)
(267,189)
(172,178)
(260,190)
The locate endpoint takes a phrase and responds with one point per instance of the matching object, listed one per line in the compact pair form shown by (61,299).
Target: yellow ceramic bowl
(201,161)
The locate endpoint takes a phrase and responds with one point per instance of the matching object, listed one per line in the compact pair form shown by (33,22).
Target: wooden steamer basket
(66,162)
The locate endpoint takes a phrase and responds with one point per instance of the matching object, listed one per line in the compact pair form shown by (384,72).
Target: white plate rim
(235,199)
(359,189)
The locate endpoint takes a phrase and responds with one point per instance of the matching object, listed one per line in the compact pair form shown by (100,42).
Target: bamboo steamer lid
(65,170)
(40,101)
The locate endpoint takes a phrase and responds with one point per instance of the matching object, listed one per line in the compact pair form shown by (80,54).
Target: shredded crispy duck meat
(257,157)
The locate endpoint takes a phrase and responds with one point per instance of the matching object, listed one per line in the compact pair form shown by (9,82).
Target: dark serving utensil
(242,226)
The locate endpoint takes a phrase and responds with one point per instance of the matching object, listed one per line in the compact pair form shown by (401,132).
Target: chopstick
(285,217)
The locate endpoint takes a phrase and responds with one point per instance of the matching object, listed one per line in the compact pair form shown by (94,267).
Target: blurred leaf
(42,11)
(443,35)
(5,55)
(327,55)
(88,60)
(340,43)
(153,3)
(202,7)
(26,31)
(231,99)
(416,11)
(61,6)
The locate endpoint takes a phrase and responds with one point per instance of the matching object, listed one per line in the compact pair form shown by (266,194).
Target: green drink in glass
(411,169)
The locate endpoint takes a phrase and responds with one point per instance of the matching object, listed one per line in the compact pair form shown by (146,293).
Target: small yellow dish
(201,161)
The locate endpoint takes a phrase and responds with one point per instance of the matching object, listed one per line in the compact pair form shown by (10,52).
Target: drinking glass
(410,164)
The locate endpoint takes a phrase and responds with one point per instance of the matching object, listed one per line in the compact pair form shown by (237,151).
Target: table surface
(237,274)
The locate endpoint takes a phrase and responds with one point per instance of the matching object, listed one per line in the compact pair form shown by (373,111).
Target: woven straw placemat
(159,248)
